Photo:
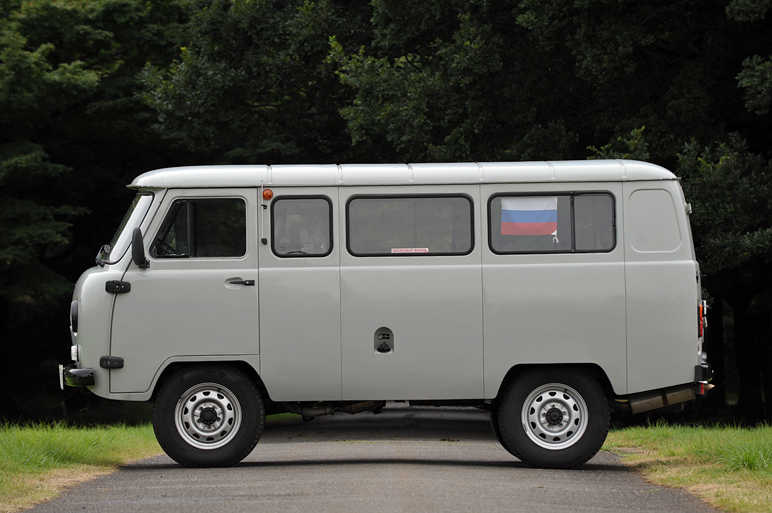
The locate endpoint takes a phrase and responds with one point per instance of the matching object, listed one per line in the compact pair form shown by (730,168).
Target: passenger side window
(594,222)
(431,225)
(302,227)
(205,228)
(552,224)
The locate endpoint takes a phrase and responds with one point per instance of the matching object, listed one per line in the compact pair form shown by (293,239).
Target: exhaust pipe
(328,409)
(656,399)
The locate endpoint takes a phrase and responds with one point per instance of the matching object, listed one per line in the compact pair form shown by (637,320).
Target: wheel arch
(592,369)
(241,365)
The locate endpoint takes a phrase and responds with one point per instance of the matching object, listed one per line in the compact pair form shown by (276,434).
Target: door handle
(246,283)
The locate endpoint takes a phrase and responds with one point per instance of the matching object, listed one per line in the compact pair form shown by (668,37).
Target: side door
(300,295)
(411,293)
(197,300)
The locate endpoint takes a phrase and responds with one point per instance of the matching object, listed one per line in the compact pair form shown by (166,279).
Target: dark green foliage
(72,134)
(253,83)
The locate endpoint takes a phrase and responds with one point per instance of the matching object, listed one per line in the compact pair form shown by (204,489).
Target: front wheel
(553,418)
(208,416)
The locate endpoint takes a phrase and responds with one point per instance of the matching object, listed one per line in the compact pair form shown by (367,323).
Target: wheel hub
(208,415)
(554,416)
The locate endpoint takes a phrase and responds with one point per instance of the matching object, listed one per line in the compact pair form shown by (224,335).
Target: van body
(545,292)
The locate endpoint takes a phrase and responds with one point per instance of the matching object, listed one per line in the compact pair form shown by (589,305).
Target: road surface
(403,460)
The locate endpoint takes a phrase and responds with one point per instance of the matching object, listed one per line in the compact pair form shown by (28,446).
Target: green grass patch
(38,461)
(728,467)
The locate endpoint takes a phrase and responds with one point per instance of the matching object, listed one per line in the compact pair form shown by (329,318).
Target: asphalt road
(404,460)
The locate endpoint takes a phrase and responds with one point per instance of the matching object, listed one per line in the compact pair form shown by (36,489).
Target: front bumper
(73,376)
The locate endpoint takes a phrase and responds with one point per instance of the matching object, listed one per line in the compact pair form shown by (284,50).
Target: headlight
(74,353)
(73,320)
(74,316)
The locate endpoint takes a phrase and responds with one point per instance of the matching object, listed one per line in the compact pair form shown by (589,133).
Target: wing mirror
(138,249)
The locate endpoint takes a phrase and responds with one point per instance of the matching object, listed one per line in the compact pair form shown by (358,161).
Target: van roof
(402,174)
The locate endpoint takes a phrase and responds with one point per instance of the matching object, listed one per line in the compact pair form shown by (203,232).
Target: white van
(544,292)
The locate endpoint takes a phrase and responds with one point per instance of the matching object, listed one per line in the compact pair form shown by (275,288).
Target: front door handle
(246,283)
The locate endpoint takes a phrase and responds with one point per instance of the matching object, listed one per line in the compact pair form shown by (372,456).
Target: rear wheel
(208,416)
(553,418)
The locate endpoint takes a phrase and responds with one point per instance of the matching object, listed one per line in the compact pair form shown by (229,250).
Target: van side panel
(661,276)
(432,307)
(554,308)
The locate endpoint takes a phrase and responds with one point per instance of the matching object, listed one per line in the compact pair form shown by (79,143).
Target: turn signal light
(702,320)
(267,194)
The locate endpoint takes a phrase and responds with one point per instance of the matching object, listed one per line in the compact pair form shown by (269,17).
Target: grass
(40,460)
(728,467)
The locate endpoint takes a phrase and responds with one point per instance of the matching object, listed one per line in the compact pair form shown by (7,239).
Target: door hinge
(117,287)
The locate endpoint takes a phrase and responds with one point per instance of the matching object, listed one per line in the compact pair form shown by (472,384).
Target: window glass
(203,228)
(594,221)
(302,227)
(546,224)
(409,226)
(526,224)
(131,220)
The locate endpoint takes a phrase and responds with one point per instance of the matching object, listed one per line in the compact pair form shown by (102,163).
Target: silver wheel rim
(554,416)
(207,416)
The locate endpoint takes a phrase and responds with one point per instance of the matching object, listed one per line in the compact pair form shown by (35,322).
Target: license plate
(61,377)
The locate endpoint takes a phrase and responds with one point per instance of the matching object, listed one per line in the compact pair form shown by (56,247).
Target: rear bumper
(72,376)
(655,399)
(703,372)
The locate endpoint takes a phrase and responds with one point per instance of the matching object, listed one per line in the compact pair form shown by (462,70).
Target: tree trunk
(748,346)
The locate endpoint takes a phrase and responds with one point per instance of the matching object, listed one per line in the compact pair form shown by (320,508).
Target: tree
(253,83)
(72,133)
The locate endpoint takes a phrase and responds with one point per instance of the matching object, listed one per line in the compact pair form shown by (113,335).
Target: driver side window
(203,228)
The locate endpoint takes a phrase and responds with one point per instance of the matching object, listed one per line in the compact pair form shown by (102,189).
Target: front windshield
(131,220)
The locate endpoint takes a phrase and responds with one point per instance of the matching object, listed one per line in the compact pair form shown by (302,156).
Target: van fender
(249,364)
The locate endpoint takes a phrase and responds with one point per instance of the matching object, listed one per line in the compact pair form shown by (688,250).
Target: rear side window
(552,223)
(409,225)
(302,226)
(203,228)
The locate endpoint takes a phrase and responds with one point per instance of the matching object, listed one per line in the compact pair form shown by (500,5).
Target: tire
(208,416)
(553,417)
(495,425)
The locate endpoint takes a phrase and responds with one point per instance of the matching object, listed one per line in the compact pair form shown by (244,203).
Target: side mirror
(138,249)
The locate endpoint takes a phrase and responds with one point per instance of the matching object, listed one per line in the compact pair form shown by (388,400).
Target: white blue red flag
(529,215)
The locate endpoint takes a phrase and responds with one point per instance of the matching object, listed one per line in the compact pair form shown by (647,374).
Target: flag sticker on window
(530,216)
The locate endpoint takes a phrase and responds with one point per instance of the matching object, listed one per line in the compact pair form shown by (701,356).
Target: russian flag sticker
(529,215)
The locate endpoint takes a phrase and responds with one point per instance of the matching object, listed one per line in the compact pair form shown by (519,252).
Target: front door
(199,296)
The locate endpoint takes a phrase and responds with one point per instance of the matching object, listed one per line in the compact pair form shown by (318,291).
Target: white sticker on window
(409,250)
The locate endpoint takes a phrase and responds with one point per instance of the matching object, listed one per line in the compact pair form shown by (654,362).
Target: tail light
(702,319)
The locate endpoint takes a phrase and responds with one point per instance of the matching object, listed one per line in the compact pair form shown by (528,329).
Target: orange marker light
(267,194)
